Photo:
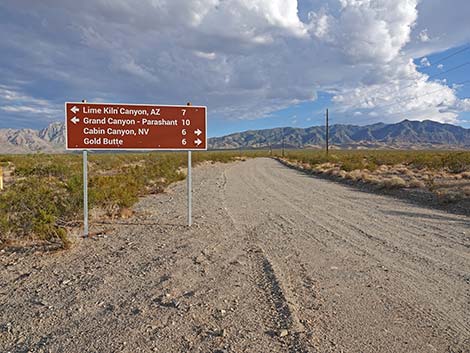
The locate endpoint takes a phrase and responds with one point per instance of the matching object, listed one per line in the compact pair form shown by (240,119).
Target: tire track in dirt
(282,316)
(335,224)
(402,264)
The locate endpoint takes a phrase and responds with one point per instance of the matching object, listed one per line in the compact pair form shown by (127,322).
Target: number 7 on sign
(183,111)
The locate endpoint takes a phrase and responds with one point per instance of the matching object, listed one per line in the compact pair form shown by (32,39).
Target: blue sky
(257,64)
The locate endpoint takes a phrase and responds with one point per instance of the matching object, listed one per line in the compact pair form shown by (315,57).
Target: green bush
(35,207)
(114,192)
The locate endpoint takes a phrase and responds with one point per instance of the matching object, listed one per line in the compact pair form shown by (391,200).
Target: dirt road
(277,262)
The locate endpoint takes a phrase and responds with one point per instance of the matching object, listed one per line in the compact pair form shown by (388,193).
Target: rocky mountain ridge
(405,134)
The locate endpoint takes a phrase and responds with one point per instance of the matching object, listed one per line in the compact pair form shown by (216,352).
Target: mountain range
(405,134)
(49,139)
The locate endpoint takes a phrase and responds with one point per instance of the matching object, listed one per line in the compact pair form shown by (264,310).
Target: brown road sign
(114,126)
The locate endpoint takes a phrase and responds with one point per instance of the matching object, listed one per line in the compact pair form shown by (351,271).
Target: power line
(440,73)
(449,70)
(451,55)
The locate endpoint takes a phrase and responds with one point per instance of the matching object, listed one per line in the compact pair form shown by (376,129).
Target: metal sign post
(85,193)
(85,190)
(189,181)
(189,184)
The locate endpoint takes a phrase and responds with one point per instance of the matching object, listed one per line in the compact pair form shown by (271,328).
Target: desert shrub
(350,165)
(58,166)
(466,191)
(383,168)
(371,166)
(113,192)
(416,183)
(394,182)
(447,197)
(36,207)
(371,179)
(456,162)
(354,175)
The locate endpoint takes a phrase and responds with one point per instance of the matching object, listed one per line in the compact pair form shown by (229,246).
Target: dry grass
(443,173)
(466,190)
(415,183)
(447,197)
(371,179)
(394,182)
(354,175)
(465,175)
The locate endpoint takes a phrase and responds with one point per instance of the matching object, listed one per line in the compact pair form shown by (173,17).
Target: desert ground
(276,261)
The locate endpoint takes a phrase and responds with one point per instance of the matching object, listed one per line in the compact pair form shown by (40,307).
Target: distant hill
(50,139)
(405,134)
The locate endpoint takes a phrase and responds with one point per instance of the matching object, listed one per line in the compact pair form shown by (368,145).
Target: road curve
(278,261)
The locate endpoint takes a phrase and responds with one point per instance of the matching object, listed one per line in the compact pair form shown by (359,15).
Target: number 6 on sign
(183,132)
(183,142)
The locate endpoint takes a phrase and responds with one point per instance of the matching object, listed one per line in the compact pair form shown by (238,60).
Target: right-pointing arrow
(74,109)
(198,132)
(75,120)
(198,142)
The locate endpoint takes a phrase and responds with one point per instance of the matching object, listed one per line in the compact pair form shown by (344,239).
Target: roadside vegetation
(42,199)
(445,173)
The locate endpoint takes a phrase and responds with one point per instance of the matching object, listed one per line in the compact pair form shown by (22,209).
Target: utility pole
(327,133)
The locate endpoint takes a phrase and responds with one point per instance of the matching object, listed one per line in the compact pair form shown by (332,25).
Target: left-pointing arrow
(75,120)
(74,109)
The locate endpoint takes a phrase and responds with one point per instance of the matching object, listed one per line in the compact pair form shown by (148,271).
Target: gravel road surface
(277,261)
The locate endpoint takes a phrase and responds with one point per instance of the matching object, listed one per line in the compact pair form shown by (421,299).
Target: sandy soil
(277,261)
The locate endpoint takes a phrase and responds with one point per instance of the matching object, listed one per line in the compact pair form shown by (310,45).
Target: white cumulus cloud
(242,58)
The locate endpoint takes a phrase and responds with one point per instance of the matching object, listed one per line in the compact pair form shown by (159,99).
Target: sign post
(85,190)
(85,193)
(134,127)
(189,185)
(190,191)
